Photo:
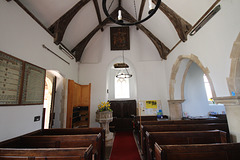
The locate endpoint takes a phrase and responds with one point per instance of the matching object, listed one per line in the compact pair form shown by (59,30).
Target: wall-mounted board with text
(20,81)
(149,107)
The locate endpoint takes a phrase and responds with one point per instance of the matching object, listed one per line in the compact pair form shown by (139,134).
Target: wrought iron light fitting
(122,67)
(119,20)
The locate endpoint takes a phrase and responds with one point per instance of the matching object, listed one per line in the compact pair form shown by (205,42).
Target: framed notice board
(33,84)
(11,70)
(20,82)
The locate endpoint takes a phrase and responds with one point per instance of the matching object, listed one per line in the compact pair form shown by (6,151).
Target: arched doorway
(49,97)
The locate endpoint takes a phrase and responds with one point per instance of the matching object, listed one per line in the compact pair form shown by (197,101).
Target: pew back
(182,137)
(181,127)
(82,153)
(223,151)
(64,141)
(59,141)
(76,131)
(175,122)
(69,131)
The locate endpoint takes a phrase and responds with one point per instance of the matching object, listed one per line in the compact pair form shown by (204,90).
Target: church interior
(116,79)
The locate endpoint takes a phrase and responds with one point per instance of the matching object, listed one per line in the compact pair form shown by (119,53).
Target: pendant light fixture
(123,69)
(152,10)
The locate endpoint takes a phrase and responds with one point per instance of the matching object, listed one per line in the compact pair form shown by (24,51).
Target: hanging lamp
(119,19)
(123,72)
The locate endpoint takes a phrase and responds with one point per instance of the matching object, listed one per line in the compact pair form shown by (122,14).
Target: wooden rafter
(181,26)
(98,12)
(59,27)
(79,48)
(162,49)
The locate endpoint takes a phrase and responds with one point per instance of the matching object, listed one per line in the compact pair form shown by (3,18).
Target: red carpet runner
(124,147)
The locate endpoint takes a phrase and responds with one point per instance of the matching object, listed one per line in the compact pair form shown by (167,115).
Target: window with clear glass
(207,88)
(122,88)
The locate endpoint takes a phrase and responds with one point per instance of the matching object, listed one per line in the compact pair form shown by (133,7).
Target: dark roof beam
(162,49)
(59,27)
(181,26)
(79,48)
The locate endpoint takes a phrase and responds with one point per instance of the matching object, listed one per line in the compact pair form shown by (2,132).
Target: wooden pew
(75,131)
(82,153)
(63,141)
(57,141)
(69,131)
(168,122)
(181,127)
(222,151)
(182,137)
(136,121)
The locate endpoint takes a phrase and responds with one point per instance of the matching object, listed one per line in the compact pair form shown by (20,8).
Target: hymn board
(21,83)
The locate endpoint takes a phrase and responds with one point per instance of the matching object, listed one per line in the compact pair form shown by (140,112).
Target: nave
(152,139)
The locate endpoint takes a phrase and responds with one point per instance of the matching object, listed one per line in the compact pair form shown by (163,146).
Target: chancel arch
(183,63)
(177,83)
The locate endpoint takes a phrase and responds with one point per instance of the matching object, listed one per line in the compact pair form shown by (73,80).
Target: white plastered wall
(212,45)
(149,70)
(22,37)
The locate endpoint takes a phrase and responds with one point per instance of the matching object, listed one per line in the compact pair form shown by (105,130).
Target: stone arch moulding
(192,58)
(233,80)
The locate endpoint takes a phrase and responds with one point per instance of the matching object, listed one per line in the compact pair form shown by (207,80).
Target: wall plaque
(11,70)
(33,84)
(20,82)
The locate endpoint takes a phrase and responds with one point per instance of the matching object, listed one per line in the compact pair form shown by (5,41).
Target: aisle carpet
(124,147)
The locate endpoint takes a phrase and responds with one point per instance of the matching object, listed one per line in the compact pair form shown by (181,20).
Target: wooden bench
(182,137)
(62,138)
(168,122)
(63,141)
(136,121)
(82,153)
(76,131)
(181,127)
(69,131)
(222,151)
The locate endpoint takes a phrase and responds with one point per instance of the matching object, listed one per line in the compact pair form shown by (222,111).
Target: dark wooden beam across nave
(59,27)
(162,49)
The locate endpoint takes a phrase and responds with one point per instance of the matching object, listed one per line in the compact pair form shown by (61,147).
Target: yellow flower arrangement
(211,99)
(104,106)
